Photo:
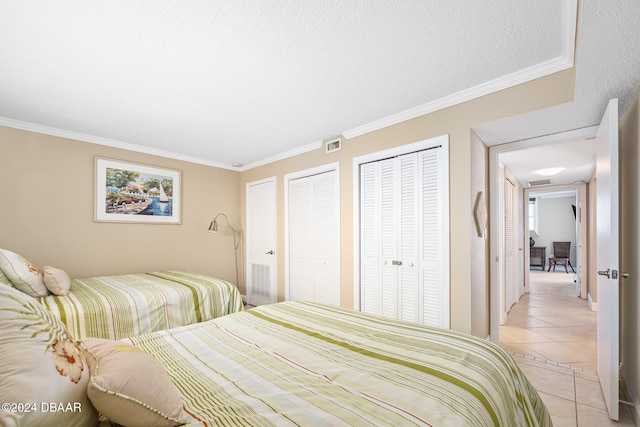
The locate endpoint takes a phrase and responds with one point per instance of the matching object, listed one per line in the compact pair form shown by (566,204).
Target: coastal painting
(131,192)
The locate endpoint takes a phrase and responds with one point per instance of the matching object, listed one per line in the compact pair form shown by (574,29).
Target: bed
(290,363)
(301,363)
(115,307)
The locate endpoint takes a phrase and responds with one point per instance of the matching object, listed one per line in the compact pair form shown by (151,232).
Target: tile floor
(552,335)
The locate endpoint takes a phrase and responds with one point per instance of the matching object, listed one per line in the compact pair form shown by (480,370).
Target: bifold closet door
(510,244)
(401,237)
(314,239)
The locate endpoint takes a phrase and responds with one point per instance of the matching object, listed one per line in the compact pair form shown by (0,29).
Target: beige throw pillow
(24,276)
(56,280)
(129,386)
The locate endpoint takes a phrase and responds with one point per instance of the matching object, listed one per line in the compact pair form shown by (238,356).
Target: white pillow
(44,376)
(24,276)
(56,280)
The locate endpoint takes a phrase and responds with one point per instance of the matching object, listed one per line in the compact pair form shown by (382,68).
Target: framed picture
(131,192)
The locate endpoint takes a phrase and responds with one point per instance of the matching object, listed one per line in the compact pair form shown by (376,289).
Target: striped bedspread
(307,364)
(116,307)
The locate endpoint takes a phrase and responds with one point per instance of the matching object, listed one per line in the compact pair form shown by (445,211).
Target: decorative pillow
(24,276)
(44,376)
(56,280)
(129,386)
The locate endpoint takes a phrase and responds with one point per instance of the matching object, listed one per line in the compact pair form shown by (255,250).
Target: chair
(561,251)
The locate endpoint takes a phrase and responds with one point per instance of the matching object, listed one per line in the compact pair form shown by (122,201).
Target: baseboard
(592,305)
(632,398)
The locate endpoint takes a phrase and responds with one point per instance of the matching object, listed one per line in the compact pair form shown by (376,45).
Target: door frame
(496,220)
(582,271)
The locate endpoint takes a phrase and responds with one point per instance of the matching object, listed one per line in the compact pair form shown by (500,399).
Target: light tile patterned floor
(552,335)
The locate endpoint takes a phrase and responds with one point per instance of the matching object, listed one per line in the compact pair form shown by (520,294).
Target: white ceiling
(575,161)
(248,82)
(607,66)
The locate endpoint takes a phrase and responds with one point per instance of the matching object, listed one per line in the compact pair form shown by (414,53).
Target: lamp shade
(213,227)
(532,233)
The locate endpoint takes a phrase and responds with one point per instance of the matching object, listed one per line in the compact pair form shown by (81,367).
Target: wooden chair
(561,251)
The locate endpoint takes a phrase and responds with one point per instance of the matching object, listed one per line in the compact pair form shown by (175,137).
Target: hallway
(552,335)
(550,323)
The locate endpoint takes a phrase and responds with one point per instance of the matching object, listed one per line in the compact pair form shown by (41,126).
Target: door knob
(269,253)
(606,272)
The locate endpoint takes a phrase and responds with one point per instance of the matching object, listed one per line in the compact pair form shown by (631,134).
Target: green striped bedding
(307,364)
(116,307)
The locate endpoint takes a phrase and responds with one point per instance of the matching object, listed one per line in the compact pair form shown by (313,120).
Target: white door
(261,242)
(607,256)
(403,232)
(313,230)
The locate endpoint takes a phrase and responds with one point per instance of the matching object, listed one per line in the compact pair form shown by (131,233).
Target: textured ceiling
(607,66)
(243,81)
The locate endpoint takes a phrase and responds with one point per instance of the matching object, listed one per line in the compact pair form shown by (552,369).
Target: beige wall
(456,122)
(47,212)
(630,248)
(48,184)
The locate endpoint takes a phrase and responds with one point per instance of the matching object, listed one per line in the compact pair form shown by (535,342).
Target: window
(533,214)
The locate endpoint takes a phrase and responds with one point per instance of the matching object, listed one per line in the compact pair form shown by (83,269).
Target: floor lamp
(213,228)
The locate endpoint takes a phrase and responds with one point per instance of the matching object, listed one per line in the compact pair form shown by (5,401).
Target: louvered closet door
(401,238)
(511,245)
(388,239)
(301,256)
(434,235)
(314,238)
(408,231)
(371,237)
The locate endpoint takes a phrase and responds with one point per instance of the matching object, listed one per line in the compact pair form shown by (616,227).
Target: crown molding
(505,82)
(92,139)
(284,155)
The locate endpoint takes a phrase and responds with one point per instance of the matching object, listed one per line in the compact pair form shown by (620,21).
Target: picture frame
(136,193)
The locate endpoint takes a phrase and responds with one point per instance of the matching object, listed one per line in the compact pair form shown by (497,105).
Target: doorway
(570,149)
(552,321)
(549,318)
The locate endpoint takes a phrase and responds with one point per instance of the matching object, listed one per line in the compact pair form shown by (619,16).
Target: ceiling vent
(539,182)
(333,145)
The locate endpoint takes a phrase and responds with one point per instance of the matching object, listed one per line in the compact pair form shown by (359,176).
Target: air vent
(539,182)
(333,145)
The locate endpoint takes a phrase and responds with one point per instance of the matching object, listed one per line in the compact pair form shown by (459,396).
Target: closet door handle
(269,253)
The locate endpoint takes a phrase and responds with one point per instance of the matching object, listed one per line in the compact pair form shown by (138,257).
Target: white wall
(556,223)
